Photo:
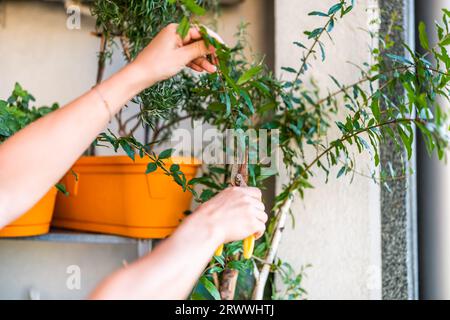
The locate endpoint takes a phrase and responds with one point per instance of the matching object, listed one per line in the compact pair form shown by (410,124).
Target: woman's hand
(233,214)
(167,54)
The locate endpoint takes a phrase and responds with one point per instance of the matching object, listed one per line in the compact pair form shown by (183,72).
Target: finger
(258,235)
(205,64)
(253,192)
(262,216)
(192,35)
(194,67)
(259,229)
(193,51)
(213,34)
(256,204)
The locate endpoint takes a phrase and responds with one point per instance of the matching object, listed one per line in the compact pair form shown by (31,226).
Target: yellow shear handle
(219,250)
(249,246)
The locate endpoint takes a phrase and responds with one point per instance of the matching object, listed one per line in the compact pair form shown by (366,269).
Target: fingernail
(214,68)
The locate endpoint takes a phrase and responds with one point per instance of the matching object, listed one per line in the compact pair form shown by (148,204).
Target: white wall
(337,224)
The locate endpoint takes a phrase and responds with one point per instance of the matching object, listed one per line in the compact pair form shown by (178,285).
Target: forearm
(36,157)
(170,270)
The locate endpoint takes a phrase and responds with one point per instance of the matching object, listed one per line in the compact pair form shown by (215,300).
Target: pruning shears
(239,178)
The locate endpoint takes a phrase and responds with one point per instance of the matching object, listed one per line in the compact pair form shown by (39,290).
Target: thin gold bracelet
(105,103)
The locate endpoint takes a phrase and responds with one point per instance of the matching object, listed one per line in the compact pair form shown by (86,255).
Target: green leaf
(446,40)
(166,154)
(349,8)
(270,106)
(334,8)
(62,188)
(127,148)
(249,74)
(375,107)
(227,104)
(341,172)
(330,25)
(210,287)
(175,167)
(217,107)
(151,167)
(399,59)
(193,7)
(423,38)
(407,140)
(231,82)
(247,100)
(299,44)
(317,13)
(322,51)
(206,195)
(289,69)
(183,27)
(315,33)
(261,86)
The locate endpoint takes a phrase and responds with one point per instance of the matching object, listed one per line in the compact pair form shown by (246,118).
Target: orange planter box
(114,195)
(36,221)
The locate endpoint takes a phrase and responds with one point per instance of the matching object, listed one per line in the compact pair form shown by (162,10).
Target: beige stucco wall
(337,224)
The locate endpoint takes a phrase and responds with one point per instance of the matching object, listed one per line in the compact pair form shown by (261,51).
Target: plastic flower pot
(36,221)
(112,194)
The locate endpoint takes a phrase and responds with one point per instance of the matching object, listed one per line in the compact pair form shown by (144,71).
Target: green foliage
(292,281)
(302,114)
(244,94)
(16,112)
(134,24)
(62,188)
(132,147)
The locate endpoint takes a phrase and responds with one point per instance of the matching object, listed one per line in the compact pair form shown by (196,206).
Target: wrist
(202,224)
(139,77)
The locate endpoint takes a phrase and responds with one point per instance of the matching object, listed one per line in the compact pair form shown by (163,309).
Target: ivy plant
(16,113)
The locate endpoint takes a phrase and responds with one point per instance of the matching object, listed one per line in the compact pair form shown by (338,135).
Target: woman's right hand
(233,214)
(167,54)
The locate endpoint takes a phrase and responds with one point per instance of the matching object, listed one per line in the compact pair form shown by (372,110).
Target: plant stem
(310,51)
(158,129)
(261,281)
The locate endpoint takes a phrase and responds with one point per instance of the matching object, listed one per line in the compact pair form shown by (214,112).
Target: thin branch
(310,51)
(131,132)
(126,47)
(137,115)
(158,130)
(258,292)
(101,58)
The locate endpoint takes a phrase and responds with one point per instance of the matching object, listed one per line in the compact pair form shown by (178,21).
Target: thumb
(194,50)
